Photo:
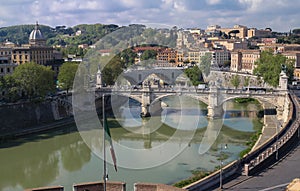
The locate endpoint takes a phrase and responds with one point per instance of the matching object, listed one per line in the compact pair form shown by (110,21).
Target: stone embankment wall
(19,117)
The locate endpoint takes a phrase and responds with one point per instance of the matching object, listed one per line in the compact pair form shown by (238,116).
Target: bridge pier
(214,108)
(145,110)
(215,112)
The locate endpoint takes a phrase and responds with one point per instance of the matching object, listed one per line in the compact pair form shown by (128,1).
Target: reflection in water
(36,163)
(64,158)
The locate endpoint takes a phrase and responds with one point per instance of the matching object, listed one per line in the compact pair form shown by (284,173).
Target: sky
(279,15)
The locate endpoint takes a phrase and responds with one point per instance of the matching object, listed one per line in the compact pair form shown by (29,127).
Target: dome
(36,34)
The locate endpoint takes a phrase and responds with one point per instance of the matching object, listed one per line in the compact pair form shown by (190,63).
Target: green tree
(247,81)
(205,63)
(67,74)
(235,81)
(194,74)
(148,54)
(34,80)
(269,67)
(296,31)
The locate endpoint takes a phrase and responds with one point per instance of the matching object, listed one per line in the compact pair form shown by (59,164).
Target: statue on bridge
(283,68)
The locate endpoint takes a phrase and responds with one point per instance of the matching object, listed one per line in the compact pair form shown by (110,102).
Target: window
(8,70)
(2,70)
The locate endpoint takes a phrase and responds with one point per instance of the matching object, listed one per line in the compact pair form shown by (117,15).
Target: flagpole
(104,150)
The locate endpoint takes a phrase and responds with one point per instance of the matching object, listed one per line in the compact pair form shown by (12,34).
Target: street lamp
(221,166)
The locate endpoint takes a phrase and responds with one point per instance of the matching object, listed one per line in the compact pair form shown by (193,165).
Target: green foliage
(246,100)
(250,144)
(205,63)
(197,175)
(67,74)
(33,80)
(296,31)
(194,74)
(269,67)
(19,34)
(113,69)
(128,57)
(247,81)
(235,81)
(148,54)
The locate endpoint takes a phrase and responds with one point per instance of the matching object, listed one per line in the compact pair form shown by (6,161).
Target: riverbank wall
(26,117)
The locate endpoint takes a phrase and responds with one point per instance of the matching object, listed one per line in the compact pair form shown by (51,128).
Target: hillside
(60,35)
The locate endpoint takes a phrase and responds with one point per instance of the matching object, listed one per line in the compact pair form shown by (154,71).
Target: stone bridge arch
(265,102)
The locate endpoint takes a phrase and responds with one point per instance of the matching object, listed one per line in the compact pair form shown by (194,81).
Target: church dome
(36,34)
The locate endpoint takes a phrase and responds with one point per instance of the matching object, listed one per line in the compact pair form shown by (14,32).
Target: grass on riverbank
(246,100)
(197,175)
(257,124)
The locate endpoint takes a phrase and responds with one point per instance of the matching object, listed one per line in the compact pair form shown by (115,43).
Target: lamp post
(221,166)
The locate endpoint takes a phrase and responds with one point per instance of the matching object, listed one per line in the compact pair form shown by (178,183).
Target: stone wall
(19,117)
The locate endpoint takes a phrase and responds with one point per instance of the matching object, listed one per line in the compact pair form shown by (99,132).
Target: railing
(262,157)
(276,147)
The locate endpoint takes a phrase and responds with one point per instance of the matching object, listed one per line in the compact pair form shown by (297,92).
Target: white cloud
(279,15)
(213,2)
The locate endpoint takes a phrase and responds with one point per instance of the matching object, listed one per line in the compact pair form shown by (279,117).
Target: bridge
(151,97)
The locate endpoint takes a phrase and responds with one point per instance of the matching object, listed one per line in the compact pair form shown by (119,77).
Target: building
(6,65)
(168,55)
(36,51)
(295,55)
(253,32)
(231,44)
(280,47)
(243,60)
(269,40)
(243,31)
(219,57)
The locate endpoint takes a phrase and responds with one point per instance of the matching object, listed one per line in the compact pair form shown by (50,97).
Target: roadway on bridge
(275,178)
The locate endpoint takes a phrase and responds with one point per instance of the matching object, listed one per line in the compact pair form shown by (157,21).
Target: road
(275,178)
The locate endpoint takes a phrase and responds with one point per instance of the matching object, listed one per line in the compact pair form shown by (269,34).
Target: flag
(108,138)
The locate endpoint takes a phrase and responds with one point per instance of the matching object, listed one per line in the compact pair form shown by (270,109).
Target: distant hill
(60,35)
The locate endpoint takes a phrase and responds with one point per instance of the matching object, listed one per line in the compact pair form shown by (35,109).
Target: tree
(269,67)
(235,81)
(66,75)
(194,74)
(148,54)
(34,80)
(296,31)
(247,81)
(205,63)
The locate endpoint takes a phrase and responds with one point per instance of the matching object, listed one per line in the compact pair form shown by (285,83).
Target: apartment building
(6,65)
(168,55)
(243,60)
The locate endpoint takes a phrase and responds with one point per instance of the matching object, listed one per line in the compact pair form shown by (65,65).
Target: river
(61,157)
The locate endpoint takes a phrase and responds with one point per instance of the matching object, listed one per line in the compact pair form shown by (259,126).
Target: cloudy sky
(280,15)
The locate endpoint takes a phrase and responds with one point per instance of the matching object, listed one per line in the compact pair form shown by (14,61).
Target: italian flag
(108,138)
